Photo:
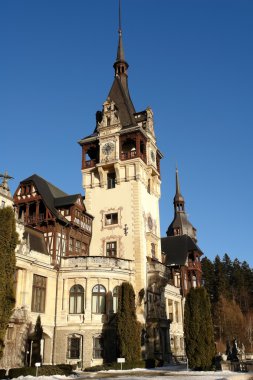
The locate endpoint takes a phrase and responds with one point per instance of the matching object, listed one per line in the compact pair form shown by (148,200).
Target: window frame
(98,299)
(39,289)
(74,352)
(76,294)
(110,250)
(110,221)
(115,299)
(111,180)
(98,350)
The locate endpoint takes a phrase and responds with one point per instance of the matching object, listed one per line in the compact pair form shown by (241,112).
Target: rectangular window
(71,243)
(84,249)
(111,219)
(170,310)
(177,311)
(153,250)
(111,249)
(97,348)
(78,246)
(111,180)
(3,204)
(74,348)
(39,294)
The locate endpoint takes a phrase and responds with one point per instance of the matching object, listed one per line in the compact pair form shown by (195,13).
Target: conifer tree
(208,276)
(127,327)
(36,337)
(8,242)
(198,330)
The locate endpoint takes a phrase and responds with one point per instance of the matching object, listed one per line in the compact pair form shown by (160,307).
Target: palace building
(75,251)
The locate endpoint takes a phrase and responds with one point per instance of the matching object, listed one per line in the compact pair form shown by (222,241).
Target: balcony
(31,219)
(132,154)
(89,164)
(194,265)
(157,267)
(95,262)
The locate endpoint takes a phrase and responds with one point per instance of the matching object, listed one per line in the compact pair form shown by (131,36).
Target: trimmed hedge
(2,373)
(45,370)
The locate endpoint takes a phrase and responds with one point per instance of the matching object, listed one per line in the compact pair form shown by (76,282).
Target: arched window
(76,296)
(98,299)
(115,299)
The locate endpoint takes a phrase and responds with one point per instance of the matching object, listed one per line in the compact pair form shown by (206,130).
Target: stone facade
(76,295)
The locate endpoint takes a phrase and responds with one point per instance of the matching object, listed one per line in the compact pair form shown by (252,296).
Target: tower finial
(177,182)
(120,31)
(120,64)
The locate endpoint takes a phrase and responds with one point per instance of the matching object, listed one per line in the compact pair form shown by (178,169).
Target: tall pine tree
(198,330)
(127,327)
(8,242)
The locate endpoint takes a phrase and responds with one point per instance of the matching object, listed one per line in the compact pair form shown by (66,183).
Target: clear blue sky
(190,60)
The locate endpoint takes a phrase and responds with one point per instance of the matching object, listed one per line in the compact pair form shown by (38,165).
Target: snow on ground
(142,374)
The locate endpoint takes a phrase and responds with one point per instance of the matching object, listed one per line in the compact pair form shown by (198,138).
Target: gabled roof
(52,196)
(67,200)
(177,248)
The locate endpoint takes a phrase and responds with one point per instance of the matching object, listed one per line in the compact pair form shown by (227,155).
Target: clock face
(108,148)
(152,155)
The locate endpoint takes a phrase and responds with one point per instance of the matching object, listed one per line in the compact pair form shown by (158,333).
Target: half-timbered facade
(62,218)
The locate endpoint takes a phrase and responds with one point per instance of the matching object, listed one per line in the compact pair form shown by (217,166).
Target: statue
(235,351)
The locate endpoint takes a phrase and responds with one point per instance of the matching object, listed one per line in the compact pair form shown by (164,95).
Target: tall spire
(120,64)
(178,199)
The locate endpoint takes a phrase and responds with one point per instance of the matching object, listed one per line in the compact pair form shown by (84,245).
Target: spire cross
(5,180)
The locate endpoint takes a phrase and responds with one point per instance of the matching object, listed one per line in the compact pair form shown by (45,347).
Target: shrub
(2,373)
(45,370)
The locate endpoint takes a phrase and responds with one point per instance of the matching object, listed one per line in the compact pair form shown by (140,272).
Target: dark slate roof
(36,240)
(181,221)
(52,196)
(177,248)
(66,201)
(120,95)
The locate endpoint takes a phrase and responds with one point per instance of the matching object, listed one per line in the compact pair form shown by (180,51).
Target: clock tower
(121,179)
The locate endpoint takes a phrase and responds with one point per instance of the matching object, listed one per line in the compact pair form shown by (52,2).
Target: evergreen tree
(208,276)
(198,330)
(127,327)
(36,337)
(221,287)
(8,242)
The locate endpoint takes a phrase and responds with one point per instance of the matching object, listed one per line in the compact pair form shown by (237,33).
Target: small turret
(180,224)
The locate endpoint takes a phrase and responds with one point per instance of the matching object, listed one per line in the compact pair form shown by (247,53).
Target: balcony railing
(194,265)
(31,219)
(89,164)
(132,154)
(90,262)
